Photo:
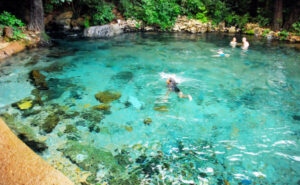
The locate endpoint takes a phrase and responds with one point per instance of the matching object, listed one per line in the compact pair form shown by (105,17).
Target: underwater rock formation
(38,80)
(107,96)
(161,108)
(147,121)
(24,104)
(50,122)
(25,133)
(70,129)
(105,107)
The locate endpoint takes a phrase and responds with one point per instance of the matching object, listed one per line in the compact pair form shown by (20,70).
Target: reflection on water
(106,110)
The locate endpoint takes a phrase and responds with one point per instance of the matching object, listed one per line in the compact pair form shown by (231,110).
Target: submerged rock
(296,117)
(147,121)
(135,102)
(89,158)
(25,133)
(50,122)
(38,99)
(123,75)
(24,104)
(70,129)
(38,80)
(105,107)
(107,96)
(161,108)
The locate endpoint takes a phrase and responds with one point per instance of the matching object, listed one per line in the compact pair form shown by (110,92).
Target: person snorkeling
(221,53)
(172,87)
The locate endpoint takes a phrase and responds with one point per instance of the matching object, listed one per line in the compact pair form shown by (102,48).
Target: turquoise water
(242,126)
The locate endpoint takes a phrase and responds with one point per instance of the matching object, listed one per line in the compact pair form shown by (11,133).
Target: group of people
(172,84)
(245,44)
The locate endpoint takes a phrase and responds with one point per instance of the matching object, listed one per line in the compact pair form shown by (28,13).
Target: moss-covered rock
(161,108)
(24,104)
(50,122)
(88,158)
(147,121)
(107,96)
(92,115)
(37,97)
(38,80)
(24,132)
(105,107)
(70,129)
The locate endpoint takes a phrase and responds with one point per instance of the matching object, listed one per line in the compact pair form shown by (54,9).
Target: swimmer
(172,87)
(233,43)
(245,43)
(221,54)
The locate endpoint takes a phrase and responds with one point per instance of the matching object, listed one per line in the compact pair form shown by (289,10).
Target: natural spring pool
(242,126)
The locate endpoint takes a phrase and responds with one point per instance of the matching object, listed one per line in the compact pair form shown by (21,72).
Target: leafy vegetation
(283,35)
(100,11)
(161,13)
(7,19)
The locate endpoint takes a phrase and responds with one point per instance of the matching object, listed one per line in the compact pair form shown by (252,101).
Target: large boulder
(232,29)
(105,31)
(64,20)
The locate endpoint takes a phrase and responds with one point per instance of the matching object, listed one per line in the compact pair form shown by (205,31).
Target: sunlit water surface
(242,125)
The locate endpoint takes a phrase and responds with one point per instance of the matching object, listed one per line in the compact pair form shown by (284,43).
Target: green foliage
(262,17)
(266,32)
(249,32)
(296,27)
(160,13)
(103,13)
(283,35)
(7,19)
(86,23)
(193,7)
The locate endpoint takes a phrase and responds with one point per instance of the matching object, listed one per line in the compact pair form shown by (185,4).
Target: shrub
(160,13)
(266,32)
(102,13)
(249,32)
(296,27)
(7,19)
(283,35)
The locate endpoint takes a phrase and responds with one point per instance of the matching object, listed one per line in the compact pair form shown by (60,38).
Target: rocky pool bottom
(97,111)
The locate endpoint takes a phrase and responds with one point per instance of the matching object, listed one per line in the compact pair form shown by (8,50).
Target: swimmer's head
(170,80)
(233,39)
(220,52)
(244,39)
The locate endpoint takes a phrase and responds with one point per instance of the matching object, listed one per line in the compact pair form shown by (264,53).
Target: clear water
(240,127)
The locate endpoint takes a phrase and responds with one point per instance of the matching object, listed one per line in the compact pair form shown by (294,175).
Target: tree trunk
(36,22)
(277,20)
(293,17)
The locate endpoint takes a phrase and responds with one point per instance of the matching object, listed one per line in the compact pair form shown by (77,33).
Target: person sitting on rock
(245,43)
(172,87)
(233,43)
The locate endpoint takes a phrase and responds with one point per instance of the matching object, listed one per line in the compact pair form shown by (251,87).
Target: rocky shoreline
(9,48)
(65,23)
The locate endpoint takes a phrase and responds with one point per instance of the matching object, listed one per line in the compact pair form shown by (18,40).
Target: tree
(277,21)
(36,22)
